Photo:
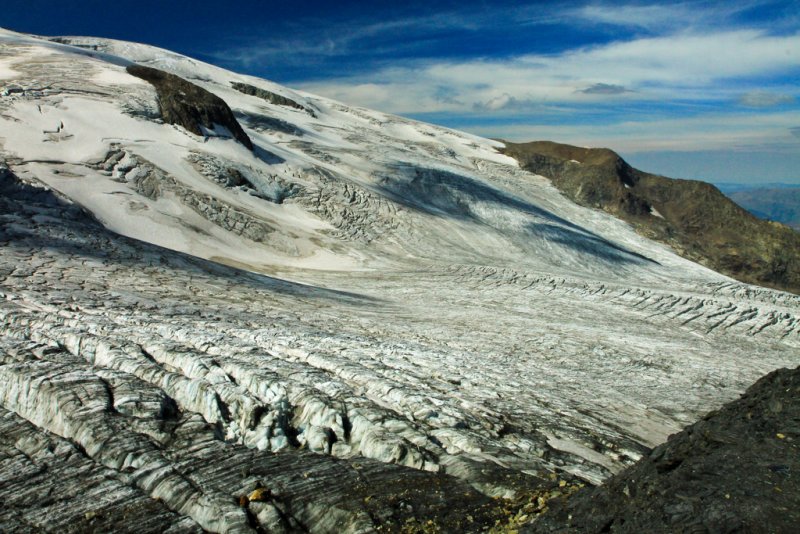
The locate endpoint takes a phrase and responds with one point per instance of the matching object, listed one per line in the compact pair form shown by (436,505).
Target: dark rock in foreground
(736,470)
(188,105)
(693,217)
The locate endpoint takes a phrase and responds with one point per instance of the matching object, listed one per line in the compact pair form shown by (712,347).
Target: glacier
(364,322)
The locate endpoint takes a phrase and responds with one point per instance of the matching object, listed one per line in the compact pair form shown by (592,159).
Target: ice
(6,72)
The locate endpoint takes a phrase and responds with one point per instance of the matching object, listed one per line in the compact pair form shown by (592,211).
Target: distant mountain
(693,217)
(733,187)
(773,204)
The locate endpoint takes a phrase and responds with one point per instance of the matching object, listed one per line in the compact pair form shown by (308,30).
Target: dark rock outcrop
(735,470)
(693,217)
(188,105)
(269,96)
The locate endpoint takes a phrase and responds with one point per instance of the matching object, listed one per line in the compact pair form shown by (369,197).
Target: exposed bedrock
(189,105)
(269,96)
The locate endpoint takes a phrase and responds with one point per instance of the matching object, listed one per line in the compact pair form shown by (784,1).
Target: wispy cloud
(632,15)
(657,68)
(314,40)
(660,17)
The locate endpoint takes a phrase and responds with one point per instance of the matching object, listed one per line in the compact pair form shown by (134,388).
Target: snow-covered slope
(428,304)
(350,177)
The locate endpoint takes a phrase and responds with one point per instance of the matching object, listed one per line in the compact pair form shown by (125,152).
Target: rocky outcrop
(693,217)
(736,470)
(189,105)
(269,96)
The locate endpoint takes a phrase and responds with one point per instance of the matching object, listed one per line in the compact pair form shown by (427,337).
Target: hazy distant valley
(773,202)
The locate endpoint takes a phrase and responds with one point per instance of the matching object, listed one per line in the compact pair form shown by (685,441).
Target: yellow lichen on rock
(259,494)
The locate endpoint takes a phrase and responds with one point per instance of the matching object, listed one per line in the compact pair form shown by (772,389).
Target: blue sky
(707,90)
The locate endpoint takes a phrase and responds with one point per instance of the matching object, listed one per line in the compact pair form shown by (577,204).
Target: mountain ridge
(693,217)
(738,461)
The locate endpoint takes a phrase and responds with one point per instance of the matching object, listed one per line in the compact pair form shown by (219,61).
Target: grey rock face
(188,105)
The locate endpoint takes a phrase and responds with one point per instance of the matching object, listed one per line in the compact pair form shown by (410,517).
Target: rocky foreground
(735,470)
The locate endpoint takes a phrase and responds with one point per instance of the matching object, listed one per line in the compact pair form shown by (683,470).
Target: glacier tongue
(405,325)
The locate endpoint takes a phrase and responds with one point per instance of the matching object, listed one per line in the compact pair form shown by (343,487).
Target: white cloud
(496,103)
(659,68)
(708,132)
(660,16)
(631,15)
